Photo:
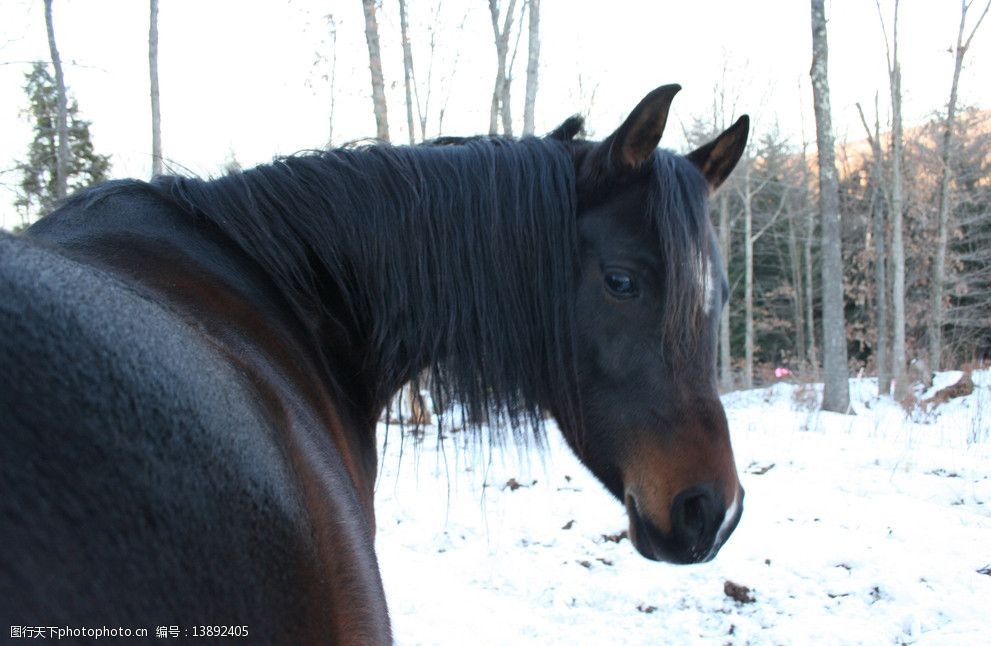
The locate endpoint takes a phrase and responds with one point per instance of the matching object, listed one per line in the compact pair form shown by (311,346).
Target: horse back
(144,480)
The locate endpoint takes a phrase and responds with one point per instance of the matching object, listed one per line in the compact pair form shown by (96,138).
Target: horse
(193,370)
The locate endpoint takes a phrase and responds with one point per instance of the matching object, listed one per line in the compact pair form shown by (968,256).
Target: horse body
(193,370)
(192,456)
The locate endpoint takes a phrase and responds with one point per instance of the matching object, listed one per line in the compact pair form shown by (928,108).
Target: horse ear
(635,140)
(569,129)
(717,158)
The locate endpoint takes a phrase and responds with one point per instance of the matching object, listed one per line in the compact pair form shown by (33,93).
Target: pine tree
(37,193)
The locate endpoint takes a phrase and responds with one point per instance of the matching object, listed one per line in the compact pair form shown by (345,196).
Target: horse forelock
(676,209)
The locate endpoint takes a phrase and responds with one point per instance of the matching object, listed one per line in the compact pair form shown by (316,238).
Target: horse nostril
(693,514)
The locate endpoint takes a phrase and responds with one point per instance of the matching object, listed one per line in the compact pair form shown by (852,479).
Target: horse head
(651,290)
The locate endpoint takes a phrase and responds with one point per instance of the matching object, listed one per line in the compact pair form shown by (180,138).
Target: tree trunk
(375,66)
(810,322)
(423,108)
(803,267)
(500,69)
(811,358)
(725,354)
(898,350)
(532,68)
(500,92)
(748,282)
(943,214)
(62,117)
(496,95)
(836,386)
(506,104)
(794,259)
(407,70)
(156,112)
(879,232)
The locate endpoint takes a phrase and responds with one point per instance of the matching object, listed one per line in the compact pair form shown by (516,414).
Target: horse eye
(621,284)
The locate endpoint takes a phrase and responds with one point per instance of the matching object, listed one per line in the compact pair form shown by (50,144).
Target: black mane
(459,256)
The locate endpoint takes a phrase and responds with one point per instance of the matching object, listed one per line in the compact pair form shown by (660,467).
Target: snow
(866,528)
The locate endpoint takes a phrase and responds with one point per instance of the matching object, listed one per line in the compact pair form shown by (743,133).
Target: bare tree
(898,352)
(420,93)
(375,66)
(810,325)
(879,234)
(423,110)
(836,385)
(505,102)
(969,273)
(62,117)
(156,112)
(802,215)
(795,263)
(810,357)
(721,111)
(332,77)
(939,263)
(725,352)
(748,192)
(532,67)
(500,93)
(407,70)
(446,79)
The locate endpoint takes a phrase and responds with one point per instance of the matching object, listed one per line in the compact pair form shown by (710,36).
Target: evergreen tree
(37,190)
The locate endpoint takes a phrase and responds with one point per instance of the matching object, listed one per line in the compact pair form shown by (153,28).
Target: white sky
(242,78)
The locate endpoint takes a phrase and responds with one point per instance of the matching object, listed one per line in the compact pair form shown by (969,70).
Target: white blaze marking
(706,283)
(727,521)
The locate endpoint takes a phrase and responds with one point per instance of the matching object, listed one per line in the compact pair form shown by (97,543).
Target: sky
(248,80)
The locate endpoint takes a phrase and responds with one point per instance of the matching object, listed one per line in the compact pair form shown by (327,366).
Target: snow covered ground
(870,528)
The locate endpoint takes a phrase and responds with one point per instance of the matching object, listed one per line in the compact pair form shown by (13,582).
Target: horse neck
(460,259)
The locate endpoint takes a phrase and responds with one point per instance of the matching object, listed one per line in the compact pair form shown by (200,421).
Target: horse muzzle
(700,524)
